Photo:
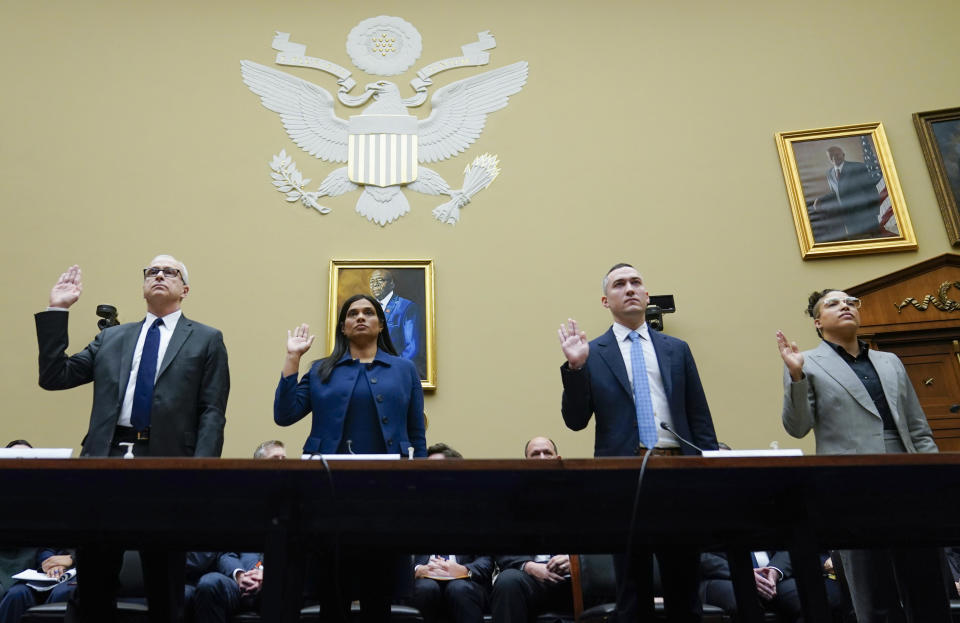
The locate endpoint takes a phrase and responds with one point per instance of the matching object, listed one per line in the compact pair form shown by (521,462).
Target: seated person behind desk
(531,584)
(776,588)
(451,587)
(235,584)
(20,597)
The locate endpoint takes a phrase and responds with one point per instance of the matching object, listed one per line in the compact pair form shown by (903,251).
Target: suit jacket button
(389,442)
(635,424)
(385,420)
(373,380)
(379,397)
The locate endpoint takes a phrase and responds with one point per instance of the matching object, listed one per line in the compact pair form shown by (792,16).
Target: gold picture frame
(411,316)
(844,191)
(939,132)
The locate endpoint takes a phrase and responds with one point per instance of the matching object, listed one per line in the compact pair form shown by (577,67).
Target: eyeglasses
(849,301)
(167,271)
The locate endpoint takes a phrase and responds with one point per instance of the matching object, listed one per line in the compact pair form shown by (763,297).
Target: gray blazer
(832,401)
(189,399)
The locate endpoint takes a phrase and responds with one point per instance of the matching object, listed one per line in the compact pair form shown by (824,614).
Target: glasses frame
(161,269)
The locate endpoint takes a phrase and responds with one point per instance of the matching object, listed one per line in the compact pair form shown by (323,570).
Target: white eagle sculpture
(384,146)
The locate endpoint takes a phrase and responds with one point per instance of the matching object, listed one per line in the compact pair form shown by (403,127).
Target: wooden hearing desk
(283,508)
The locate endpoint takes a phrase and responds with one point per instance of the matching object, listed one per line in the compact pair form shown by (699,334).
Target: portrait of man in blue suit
(404,319)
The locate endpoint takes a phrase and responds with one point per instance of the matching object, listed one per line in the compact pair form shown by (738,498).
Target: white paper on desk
(41,581)
(351,457)
(36,453)
(735,453)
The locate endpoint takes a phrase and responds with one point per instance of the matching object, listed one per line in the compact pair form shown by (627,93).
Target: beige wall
(645,134)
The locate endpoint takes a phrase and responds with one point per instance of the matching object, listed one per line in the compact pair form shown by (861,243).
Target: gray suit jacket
(189,398)
(832,401)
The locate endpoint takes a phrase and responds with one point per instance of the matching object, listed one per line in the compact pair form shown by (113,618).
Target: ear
(603,301)
(186,289)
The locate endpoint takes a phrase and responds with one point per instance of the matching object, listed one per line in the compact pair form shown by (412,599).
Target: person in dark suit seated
(160,383)
(20,597)
(641,385)
(451,587)
(365,400)
(235,586)
(531,584)
(773,576)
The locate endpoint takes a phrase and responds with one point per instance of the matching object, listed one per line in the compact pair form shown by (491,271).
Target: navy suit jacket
(602,388)
(397,392)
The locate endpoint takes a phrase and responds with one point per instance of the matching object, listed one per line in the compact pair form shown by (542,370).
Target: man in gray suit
(161,384)
(860,401)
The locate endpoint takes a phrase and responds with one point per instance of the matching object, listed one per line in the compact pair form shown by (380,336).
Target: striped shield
(382,149)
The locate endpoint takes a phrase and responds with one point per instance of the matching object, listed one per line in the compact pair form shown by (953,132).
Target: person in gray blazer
(860,401)
(161,384)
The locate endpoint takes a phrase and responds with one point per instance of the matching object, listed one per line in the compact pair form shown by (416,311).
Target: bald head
(541,448)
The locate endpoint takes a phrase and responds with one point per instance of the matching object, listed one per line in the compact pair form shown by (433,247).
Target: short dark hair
(603,284)
(19,442)
(445,450)
(556,450)
(813,303)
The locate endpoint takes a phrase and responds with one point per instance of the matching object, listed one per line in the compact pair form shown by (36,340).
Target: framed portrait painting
(844,192)
(939,132)
(405,291)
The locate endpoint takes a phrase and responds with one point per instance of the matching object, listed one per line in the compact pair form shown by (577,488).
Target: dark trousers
(786,603)
(458,601)
(898,585)
(680,576)
(518,597)
(217,596)
(98,567)
(21,598)
(368,576)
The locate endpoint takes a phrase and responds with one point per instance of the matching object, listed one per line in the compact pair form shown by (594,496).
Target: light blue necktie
(646,424)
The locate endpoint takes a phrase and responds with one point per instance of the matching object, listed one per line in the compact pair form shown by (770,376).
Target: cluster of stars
(384,43)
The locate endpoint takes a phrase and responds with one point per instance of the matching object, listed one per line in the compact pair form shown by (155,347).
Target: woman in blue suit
(365,400)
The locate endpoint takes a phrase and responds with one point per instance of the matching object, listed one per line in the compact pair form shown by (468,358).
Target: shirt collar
(169,321)
(381,357)
(863,353)
(622,332)
(386,300)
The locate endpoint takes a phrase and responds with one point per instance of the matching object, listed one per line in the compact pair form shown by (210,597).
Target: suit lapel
(180,335)
(609,351)
(836,367)
(129,345)
(664,352)
(888,380)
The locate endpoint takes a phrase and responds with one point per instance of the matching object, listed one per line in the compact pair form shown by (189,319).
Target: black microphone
(954,408)
(664,426)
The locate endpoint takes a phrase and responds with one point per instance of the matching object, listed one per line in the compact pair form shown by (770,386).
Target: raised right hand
(300,340)
(67,290)
(791,355)
(574,344)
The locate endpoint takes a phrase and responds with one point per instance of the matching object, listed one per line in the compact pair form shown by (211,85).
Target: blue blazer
(396,391)
(603,388)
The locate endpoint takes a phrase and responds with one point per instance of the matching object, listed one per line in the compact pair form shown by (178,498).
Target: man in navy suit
(403,319)
(639,383)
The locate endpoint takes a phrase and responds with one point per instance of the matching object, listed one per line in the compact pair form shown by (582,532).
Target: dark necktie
(146,376)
